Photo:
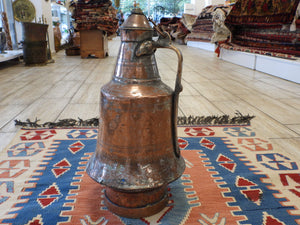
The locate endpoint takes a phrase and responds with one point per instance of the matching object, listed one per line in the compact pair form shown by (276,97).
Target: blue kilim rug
(231,177)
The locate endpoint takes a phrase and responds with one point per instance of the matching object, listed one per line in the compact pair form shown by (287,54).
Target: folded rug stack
(202,29)
(94,15)
(265,27)
(176,27)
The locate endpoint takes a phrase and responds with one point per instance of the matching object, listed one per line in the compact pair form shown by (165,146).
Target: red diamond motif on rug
(61,167)
(229,166)
(76,147)
(223,158)
(59,171)
(50,191)
(44,202)
(242,182)
(207,143)
(253,195)
(270,220)
(182,143)
(62,163)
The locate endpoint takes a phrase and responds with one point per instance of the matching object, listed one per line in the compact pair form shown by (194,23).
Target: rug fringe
(94,122)
(238,119)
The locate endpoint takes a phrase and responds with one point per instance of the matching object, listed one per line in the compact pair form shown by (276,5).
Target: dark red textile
(265,25)
(262,12)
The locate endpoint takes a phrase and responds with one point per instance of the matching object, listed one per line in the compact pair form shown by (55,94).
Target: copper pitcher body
(137,153)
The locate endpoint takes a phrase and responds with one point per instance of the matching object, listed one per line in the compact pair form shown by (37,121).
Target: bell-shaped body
(137,149)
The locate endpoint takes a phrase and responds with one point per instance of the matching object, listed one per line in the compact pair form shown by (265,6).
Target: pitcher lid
(136,21)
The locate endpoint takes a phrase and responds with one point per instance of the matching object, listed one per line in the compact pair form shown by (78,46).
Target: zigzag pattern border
(71,198)
(191,195)
(30,183)
(221,183)
(190,190)
(265,178)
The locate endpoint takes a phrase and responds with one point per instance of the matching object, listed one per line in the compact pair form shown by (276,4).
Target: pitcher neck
(131,68)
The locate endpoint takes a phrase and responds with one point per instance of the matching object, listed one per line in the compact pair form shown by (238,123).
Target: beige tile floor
(70,88)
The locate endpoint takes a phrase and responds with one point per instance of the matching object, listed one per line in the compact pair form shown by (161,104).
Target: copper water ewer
(137,152)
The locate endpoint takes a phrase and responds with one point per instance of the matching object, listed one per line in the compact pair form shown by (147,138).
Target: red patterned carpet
(263,27)
(231,177)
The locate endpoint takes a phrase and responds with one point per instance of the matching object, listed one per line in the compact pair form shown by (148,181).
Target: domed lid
(137,21)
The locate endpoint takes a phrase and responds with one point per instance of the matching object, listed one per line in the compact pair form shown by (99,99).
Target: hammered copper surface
(137,153)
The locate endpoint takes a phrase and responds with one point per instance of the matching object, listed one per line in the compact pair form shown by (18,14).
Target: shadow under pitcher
(137,152)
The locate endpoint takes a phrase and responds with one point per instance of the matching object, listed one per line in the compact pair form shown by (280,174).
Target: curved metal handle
(177,90)
(164,41)
(178,85)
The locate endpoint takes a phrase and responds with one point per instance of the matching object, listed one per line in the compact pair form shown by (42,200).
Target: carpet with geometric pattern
(232,177)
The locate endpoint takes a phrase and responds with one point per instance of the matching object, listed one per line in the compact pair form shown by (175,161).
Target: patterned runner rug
(231,177)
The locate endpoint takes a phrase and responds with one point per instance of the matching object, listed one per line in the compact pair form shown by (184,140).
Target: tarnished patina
(137,153)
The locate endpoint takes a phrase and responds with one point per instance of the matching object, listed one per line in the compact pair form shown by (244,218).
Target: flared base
(136,204)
